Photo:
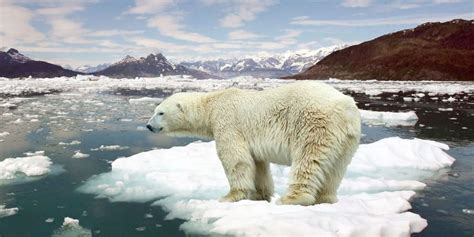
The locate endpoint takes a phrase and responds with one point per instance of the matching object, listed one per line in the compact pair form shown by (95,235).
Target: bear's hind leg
(328,193)
(263,181)
(240,170)
(307,176)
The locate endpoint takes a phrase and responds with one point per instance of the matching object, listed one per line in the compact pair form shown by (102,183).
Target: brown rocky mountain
(431,51)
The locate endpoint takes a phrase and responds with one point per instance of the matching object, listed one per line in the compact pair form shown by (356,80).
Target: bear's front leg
(239,168)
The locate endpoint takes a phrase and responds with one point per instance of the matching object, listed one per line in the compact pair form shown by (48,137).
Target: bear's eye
(161,113)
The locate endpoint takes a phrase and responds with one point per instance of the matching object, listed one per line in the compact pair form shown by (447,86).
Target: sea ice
(146,99)
(72,143)
(71,227)
(373,197)
(4,212)
(389,119)
(35,165)
(110,148)
(79,155)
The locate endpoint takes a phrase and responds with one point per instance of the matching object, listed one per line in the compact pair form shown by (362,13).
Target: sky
(91,32)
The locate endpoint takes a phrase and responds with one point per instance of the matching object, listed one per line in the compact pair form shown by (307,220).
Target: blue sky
(99,31)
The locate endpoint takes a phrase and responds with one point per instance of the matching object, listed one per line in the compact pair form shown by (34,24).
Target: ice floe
(3,134)
(110,148)
(146,99)
(79,155)
(177,83)
(71,227)
(72,143)
(389,118)
(34,165)
(4,212)
(373,197)
(26,169)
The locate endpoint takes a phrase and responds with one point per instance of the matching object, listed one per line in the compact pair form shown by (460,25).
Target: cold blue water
(110,119)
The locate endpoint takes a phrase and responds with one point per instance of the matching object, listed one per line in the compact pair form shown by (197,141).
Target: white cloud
(334,41)
(167,20)
(446,1)
(150,6)
(404,20)
(242,11)
(171,26)
(356,3)
(15,26)
(108,33)
(242,35)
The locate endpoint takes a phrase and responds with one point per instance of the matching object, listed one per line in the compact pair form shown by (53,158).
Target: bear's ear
(180,107)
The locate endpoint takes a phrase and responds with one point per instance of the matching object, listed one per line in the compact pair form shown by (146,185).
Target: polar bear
(308,125)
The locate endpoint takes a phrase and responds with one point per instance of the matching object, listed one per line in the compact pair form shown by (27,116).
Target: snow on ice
(373,197)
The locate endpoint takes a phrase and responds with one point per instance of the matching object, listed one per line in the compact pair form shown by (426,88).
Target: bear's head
(179,115)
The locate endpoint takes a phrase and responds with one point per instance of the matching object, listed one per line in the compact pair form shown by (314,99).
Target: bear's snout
(152,129)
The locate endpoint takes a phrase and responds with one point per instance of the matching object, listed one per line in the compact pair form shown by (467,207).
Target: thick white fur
(308,125)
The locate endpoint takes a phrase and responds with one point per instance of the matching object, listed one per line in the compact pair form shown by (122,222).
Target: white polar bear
(308,125)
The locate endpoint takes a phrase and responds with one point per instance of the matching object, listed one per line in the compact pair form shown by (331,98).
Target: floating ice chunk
(35,153)
(408,99)
(146,99)
(4,212)
(445,109)
(141,128)
(110,148)
(467,211)
(71,227)
(373,197)
(49,220)
(73,143)
(35,165)
(3,134)
(79,155)
(8,105)
(389,119)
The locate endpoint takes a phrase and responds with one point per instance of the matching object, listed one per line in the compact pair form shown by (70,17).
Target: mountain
(264,66)
(431,51)
(91,69)
(14,64)
(151,66)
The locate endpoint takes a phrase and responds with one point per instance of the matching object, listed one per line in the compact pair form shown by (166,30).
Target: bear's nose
(149,127)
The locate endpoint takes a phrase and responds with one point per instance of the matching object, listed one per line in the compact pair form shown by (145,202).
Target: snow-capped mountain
(17,56)
(279,65)
(91,69)
(151,66)
(14,64)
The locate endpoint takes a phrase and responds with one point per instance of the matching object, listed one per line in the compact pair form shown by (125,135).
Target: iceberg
(187,182)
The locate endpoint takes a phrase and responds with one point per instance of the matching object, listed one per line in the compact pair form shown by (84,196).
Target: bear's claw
(235,196)
(303,199)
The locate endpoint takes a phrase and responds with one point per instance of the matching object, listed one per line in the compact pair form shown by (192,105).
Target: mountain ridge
(430,51)
(13,64)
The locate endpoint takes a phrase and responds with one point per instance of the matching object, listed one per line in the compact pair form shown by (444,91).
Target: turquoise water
(109,119)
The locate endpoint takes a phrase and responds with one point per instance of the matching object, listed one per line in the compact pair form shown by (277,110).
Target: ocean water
(109,118)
